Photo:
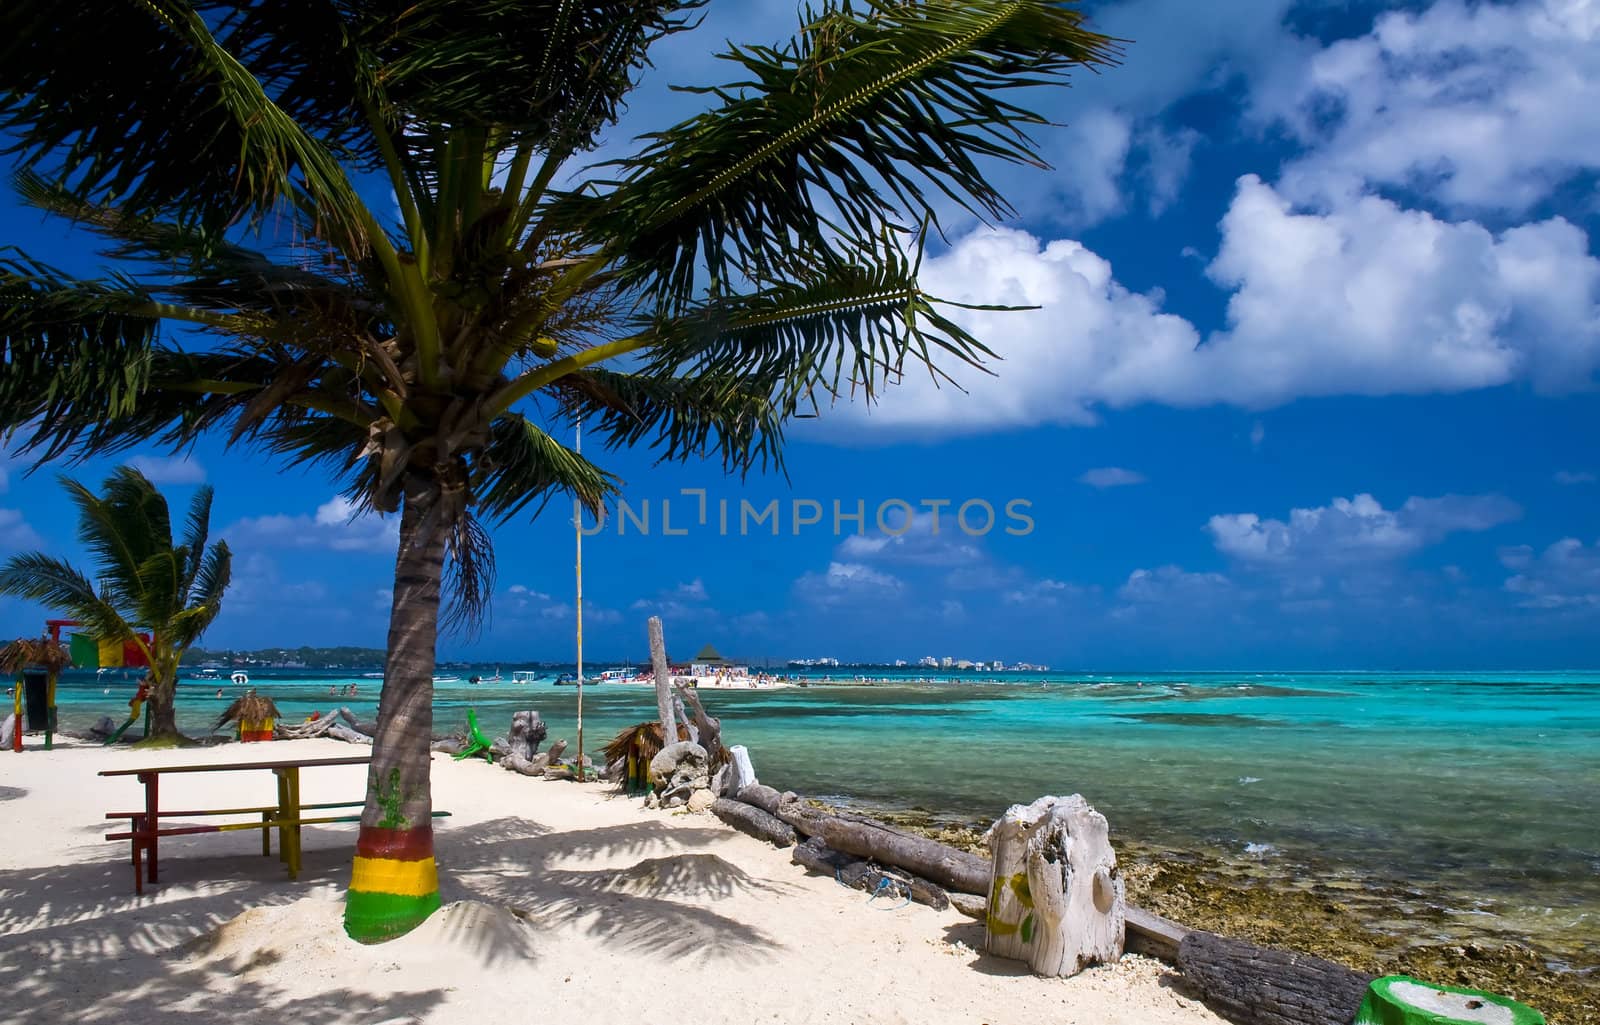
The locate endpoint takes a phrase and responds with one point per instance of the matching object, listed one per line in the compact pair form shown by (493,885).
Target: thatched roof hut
(250,707)
(34,653)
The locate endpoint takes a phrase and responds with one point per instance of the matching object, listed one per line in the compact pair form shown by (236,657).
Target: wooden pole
(577,520)
(658,662)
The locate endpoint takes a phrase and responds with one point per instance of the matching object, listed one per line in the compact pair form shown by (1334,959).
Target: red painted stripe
(412,844)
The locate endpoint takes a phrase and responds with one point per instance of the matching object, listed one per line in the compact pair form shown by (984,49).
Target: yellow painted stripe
(401,878)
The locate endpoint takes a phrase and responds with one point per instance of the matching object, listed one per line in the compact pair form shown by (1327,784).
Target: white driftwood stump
(1056,900)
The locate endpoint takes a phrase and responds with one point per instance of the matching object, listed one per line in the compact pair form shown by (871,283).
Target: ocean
(1479,792)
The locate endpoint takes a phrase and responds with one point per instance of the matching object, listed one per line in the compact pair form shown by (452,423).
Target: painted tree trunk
(1055,897)
(394,885)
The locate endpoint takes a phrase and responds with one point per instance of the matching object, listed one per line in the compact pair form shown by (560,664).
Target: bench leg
(152,805)
(266,835)
(138,869)
(133,844)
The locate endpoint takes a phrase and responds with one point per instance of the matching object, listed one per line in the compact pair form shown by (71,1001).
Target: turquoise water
(1481,791)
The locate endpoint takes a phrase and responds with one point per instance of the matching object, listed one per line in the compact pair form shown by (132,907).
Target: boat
(524,676)
(565,680)
(206,674)
(447,679)
(613,676)
(240,678)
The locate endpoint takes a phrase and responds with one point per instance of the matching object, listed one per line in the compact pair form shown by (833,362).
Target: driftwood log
(557,749)
(861,875)
(752,821)
(659,667)
(869,838)
(760,795)
(1252,985)
(534,766)
(707,727)
(527,733)
(1055,898)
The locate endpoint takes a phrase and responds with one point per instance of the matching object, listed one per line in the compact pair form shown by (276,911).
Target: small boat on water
(565,680)
(206,674)
(524,676)
(240,678)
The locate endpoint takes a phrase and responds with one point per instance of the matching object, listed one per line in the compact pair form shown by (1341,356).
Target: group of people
(349,691)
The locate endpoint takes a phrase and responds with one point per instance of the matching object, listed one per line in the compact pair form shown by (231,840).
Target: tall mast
(577,521)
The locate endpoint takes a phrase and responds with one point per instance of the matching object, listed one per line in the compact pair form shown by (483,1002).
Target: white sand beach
(563,903)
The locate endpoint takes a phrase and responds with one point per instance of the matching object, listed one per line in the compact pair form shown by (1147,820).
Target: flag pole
(577,520)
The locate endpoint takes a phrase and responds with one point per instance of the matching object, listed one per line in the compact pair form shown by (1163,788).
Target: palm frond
(196,528)
(848,126)
(55,584)
(521,464)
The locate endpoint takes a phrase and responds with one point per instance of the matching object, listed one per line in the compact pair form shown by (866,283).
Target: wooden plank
(230,811)
(300,763)
(1152,935)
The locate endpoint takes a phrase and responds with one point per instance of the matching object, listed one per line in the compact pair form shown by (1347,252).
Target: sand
(563,903)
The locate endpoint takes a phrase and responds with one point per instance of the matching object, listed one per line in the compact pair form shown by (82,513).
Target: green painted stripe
(376,917)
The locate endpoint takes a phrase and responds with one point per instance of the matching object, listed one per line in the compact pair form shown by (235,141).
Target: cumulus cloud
(1483,105)
(1110,477)
(16,535)
(1355,530)
(847,583)
(1362,298)
(1572,477)
(1565,575)
(336,525)
(932,538)
(685,601)
(1172,585)
(170,469)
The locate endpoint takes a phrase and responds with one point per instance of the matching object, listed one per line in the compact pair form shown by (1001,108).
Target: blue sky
(1311,385)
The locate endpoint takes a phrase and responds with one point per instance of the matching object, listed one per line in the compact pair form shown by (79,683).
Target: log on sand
(869,838)
(752,821)
(859,875)
(762,796)
(1252,985)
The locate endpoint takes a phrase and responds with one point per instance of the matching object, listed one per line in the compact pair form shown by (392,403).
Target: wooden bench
(143,839)
(287,816)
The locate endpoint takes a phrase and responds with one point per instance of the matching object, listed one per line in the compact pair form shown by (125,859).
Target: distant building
(947,662)
(928,662)
(899,663)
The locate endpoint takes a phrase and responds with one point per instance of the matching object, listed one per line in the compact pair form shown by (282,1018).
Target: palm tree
(146,582)
(362,234)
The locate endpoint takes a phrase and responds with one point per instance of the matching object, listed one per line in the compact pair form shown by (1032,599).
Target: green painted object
(478,744)
(1402,1000)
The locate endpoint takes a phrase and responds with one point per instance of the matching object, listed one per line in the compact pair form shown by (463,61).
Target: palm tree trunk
(163,701)
(395,886)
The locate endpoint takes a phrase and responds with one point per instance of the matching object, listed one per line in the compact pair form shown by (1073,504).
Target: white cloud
(1172,585)
(1110,477)
(1571,477)
(526,593)
(1046,593)
(1368,298)
(694,590)
(1488,105)
(845,583)
(1564,575)
(336,525)
(170,469)
(16,535)
(1354,530)
(257,582)
(1167,156)
(1365,298)
(933,538)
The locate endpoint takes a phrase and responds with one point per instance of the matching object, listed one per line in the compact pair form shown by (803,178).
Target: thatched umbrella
(35,653)
(638,745)
(254,713)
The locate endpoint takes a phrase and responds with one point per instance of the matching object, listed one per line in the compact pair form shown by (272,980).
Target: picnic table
(287,816)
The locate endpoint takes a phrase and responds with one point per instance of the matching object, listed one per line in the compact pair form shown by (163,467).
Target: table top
(286,763)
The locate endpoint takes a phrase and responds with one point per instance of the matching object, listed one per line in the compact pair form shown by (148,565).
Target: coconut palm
(146,582)
(364,234)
